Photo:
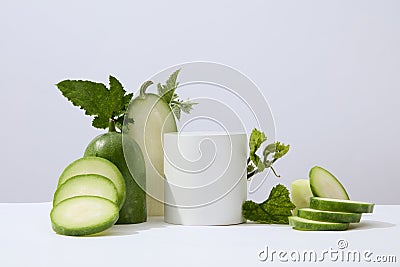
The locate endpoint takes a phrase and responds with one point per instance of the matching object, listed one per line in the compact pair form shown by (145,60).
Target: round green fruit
(110,146)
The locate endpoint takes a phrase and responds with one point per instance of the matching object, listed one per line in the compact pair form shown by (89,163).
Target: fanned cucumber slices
(96,165)
(329,216)
(322,203)
(299,223)
(86,185)
(83,215)
(90,194)
(341,205)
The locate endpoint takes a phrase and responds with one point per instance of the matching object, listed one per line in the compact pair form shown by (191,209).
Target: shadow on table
(363,225)
(256,224)
(369,224)
(131,229)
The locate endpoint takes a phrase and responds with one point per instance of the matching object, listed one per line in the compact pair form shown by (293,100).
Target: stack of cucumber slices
(322,204)
(89,195)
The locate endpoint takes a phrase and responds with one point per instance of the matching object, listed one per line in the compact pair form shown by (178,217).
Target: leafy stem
(272,152)
(167,93)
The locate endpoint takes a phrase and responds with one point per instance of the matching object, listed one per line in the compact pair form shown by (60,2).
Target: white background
(329,69)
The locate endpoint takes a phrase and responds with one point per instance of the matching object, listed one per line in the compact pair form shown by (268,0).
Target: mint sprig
(167,93)
(276,209)
(97,100)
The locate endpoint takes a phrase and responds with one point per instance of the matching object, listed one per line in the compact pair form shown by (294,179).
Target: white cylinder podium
(205,178)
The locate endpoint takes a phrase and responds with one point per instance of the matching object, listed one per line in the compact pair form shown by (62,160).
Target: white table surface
(26,239)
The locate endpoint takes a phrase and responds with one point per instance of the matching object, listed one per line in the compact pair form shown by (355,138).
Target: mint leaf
(127,100)
(90,96)
(100,122)
(97,100)
(276,209)
(116,97)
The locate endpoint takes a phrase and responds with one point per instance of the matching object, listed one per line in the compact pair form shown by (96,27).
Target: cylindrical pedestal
(205,178)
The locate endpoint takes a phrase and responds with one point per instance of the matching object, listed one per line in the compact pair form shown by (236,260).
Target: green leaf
(116,97)
(98,101)
(127,100)
(167,90)
(255,142)
(269,149)
(178,106)
(89,96)
(261,166)
(187,106)
(281,150)
(100,122)
(177,112)
(167,93)
(276,209)
(250,168)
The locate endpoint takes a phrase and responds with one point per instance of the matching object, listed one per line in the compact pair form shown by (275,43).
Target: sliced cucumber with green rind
(329,216)
(86,185)
(96,165)
(83,215)
(311,225)
(341,205)
(324,184)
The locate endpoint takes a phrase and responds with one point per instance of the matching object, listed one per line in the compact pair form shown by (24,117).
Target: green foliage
(276,209)
(255,142)
(271,153)
(167,92)
(97,100)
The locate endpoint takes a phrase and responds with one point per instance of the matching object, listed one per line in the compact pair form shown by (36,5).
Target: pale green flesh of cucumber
(153,117)
(325,184)
(86,185)
(329,216)
(96,165)
(311,225)
(341,205)
(83,215)
(301,194)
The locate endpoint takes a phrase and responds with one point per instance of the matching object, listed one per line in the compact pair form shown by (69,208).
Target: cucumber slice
(301,194)
(86,185)
(329,204)
(311,225)
(329,216)
(83,215)
(325,184)
(96,165)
